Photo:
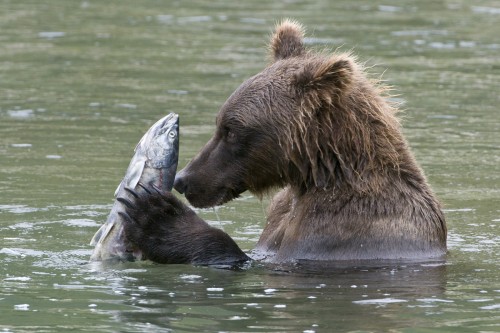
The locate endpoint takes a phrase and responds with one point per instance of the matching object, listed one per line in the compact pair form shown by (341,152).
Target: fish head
(160,144)
(156,156)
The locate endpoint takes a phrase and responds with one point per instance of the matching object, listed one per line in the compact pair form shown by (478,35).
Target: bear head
(307,120)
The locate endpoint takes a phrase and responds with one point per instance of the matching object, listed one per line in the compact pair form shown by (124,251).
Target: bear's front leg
(167,231)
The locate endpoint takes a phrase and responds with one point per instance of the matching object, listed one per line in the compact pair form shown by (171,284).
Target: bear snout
(180,183)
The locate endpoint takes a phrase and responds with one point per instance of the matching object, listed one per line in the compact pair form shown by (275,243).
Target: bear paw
(151,220)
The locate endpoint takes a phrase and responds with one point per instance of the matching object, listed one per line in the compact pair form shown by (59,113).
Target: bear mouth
(219,197)
(228,194)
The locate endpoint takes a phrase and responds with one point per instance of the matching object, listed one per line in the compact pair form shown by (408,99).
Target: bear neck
(353,142)
(357,179)
(362,154)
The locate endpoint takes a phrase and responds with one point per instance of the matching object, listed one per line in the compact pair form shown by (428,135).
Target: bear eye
(230,135)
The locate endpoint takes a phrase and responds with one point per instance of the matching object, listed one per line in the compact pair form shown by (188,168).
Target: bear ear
(324,79)
(287,40)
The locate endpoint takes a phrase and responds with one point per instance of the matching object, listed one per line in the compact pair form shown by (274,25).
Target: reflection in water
(306,295)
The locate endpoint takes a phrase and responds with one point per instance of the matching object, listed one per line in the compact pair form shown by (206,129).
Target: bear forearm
(208,246)
(217,247)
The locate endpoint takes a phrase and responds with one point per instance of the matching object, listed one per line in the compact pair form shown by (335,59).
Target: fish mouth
(170,120)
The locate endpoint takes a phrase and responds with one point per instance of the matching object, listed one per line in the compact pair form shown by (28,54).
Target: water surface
(81,81)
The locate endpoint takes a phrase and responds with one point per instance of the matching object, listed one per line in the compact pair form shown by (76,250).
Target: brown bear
(316,126)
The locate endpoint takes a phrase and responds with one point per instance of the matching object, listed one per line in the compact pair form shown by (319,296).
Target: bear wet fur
(314,125)
(169,232)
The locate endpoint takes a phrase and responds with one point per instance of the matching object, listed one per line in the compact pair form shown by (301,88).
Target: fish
(154,164)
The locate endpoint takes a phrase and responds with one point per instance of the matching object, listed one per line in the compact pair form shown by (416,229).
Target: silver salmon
(153,164)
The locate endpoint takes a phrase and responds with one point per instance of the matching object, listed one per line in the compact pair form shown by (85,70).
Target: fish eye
(172,134)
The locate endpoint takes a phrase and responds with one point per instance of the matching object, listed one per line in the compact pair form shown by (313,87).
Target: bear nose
(180,183)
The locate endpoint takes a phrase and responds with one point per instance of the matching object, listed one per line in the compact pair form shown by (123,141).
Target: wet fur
(169,232)
(316,126)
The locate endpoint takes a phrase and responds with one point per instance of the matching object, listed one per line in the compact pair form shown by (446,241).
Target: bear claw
(132,192)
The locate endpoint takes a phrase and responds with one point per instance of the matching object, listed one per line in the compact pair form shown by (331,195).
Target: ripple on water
(252,20)
(51,34)
(191,278)
(89,207)
(389,9)
(21,114)
(63,260)
(380,301)
(434,300)
(18,278)
(19,252)
(490,307)
(485,10)
(22,307)
(82,223)
(317,40)
(21,145)
(170,19)
(194,19)
(424,33)
(20,209)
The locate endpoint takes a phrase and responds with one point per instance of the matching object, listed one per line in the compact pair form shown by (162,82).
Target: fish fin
(96,237)
(118,189)
(144,141)
(102,233)
(135,172)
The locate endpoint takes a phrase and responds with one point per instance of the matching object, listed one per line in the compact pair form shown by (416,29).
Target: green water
(81,81)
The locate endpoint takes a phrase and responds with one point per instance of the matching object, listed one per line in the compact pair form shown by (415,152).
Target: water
(81,81)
